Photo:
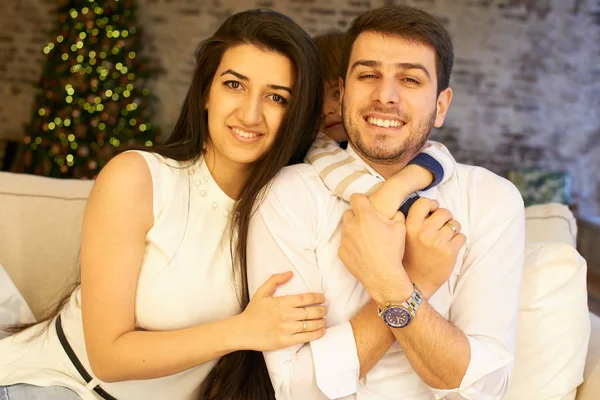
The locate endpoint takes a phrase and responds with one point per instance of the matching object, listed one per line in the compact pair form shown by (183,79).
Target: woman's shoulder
(126,169)
(155,162)
(164,172)
(143,177)
(122,191)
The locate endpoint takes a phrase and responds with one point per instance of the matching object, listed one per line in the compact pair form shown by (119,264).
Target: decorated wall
(526,79)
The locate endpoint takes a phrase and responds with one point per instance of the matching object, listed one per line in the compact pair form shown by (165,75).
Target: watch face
(397,317)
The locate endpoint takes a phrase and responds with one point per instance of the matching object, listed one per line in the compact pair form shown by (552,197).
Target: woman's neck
(229,176)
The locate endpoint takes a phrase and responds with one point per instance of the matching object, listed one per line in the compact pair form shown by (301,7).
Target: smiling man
(413,313)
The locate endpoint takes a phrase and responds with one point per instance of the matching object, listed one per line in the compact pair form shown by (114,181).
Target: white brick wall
(526,79)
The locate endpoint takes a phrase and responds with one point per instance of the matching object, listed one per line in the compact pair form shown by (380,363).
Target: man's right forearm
(373,337)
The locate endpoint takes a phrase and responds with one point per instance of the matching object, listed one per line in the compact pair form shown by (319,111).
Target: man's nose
(387,92)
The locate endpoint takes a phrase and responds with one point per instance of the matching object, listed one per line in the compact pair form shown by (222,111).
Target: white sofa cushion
(40,227)
(590,388)
(13,308)
(554,324)
(550,223)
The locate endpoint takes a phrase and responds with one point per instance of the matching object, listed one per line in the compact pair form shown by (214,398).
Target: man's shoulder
(475,175)
(299,188)
(297,200)
(483,185)
(298,177)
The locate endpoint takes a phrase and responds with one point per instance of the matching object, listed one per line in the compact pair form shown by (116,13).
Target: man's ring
(453,227)
(305,313)
(304,326)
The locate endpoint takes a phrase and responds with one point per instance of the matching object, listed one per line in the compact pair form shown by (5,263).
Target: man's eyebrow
(245,78)
(365,63)
(377,64)
(413,66)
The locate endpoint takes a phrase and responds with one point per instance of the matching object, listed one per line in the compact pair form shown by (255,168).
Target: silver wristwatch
(400,315)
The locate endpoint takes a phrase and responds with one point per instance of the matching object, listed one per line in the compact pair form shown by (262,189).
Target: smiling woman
(163,309)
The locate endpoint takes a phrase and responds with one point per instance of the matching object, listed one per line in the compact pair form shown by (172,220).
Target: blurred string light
(92,96)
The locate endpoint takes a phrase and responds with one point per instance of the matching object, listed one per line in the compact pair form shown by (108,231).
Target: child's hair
(330,46)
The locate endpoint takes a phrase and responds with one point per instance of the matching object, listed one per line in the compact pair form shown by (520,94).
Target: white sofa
(40,225)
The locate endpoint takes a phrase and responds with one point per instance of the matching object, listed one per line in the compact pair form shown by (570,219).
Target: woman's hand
(271,323)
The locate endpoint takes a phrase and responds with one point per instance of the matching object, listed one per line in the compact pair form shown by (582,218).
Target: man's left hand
(372,248)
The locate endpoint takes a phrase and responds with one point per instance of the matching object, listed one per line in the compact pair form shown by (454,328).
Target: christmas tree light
(91,99)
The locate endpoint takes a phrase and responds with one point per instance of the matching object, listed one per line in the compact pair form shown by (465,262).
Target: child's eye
(336,95)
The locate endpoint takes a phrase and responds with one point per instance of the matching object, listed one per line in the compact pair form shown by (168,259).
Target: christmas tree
(91,98)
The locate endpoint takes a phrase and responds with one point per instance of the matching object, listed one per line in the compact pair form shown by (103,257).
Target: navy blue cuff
(408,203)
(430,163)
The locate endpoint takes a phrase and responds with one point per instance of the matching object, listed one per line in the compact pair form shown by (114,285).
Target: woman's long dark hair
(243,375)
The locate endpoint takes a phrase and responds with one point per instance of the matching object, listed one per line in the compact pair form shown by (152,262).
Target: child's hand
(388,196)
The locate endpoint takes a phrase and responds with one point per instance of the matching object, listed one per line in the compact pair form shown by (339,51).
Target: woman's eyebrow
(236,74)
(245,78)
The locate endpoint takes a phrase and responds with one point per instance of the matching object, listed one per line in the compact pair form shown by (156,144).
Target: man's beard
(379,153)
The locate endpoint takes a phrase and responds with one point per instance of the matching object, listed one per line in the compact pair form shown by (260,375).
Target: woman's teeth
(245,134)
(384,123)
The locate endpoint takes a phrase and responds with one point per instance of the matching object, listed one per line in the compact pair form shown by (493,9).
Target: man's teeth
(245,134)
(384,123)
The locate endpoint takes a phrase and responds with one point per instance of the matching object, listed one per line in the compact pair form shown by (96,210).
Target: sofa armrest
(590,387)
